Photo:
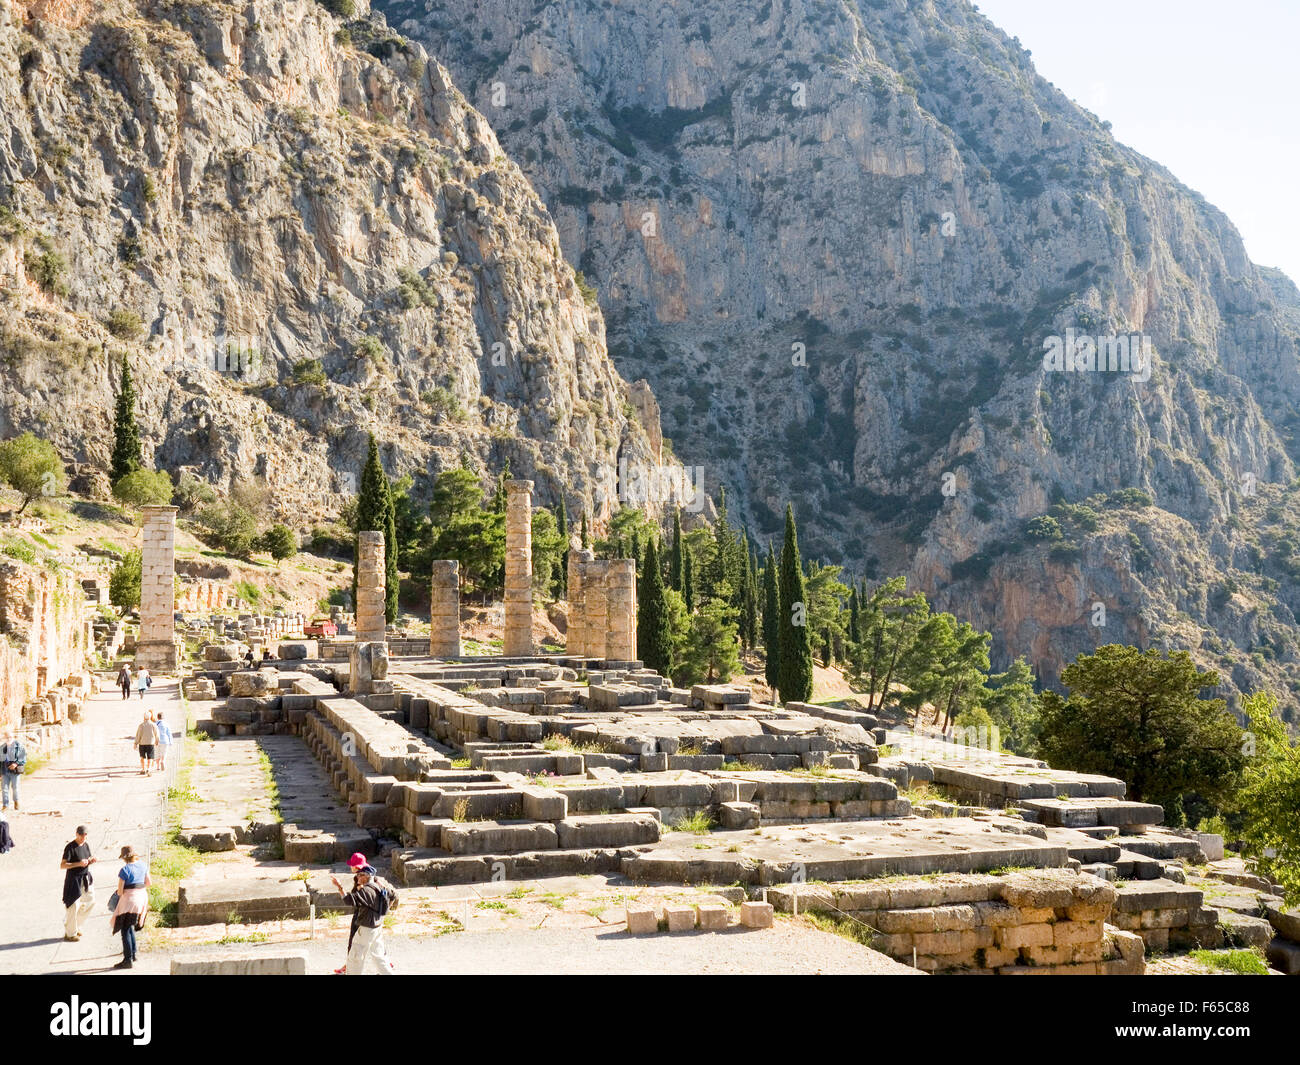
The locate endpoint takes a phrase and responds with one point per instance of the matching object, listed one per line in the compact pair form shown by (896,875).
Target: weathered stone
(756,914)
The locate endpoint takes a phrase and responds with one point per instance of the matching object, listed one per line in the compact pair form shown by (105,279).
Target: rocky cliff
(298,231)
(835,237)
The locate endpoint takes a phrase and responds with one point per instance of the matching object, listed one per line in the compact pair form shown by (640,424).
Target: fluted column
(371,581)
(444,610)
(156,647)
(518,641)
(620,604)
(596,629)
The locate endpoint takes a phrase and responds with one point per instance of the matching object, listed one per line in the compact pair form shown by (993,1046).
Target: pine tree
(126,434)
(688,581)
(794,679)
(771,621)
(654,637)
(675,577)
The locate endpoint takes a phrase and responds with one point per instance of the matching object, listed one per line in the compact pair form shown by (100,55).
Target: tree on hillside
(1012,704)
(1140,717)
(675,563)
(889,621)
(771,622)
(141,488)
(1270,797)
(585,535)
(750,607)
(688,583)
(375,513)
(710,654)
(126,457)
(124,581)
(795,679)
(855,619)
(561,589)
(548,551)
(654,638)
(32,467)
(465,530)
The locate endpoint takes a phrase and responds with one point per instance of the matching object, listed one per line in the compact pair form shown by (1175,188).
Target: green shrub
(124,324)
(229,527)
(144,488)
(341,8)
(124,582)
(309,372)
(47,270)
(280,541)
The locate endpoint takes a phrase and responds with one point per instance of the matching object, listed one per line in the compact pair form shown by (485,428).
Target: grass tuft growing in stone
(1240,962)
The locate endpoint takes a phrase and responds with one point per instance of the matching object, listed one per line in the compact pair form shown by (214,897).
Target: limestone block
(641,919)
(680,917)
(713,917)
(757,914)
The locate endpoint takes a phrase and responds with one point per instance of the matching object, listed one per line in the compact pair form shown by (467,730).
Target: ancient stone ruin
(156,647)
(458,769)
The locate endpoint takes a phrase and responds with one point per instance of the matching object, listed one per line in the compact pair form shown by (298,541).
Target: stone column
(620,598)
(371,583)
(519,570)
(576,637)
(156,648)
(596,630)
(444,610)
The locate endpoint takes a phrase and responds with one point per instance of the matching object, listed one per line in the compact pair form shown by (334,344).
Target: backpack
(388,899)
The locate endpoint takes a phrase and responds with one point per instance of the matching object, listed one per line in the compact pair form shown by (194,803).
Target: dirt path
(98,783)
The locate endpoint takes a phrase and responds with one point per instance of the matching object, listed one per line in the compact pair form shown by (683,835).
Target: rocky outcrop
(834,236)
(298,232)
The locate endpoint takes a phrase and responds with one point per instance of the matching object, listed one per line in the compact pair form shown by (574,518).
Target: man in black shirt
(78,895)
(366,938)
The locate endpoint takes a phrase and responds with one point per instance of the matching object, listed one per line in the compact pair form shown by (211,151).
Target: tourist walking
(78,894)
(132,903)
(124,681)
(370,898)
(146,738)
(164,740)
(13,763)
(142,681)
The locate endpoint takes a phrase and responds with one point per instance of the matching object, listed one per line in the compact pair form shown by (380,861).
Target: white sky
(1205,88)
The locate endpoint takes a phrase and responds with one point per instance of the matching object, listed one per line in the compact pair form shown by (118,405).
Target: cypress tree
(654,638)
(675,556)
(794,679)
(771,621)
(688,581)
(376,513)
(636,551)
(126,434)
(855,618)
(586,536)
(749,611)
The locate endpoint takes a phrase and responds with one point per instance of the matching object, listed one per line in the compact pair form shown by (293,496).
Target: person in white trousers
(366,940)
(78,894)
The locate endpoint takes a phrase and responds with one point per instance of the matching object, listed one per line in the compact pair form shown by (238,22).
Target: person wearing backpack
(371,898)
(13,764)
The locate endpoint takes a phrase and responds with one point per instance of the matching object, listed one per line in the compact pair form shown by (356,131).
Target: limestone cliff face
(834,235)
(299,232)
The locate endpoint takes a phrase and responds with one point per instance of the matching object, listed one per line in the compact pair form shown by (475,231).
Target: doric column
(156,648)
(596,629)
(620,599)
(444,610)
(519,570)
(371,583)
(576,637)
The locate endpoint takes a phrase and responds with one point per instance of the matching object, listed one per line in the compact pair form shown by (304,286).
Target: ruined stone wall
(45,637)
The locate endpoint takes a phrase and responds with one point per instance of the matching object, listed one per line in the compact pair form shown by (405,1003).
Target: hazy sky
(1207,89)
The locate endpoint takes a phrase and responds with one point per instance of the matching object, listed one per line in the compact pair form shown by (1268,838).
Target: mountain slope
(835,236)
(298,232)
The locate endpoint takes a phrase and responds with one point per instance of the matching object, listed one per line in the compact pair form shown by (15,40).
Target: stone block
(757,914)
(544,804)
(247,963)
(680,917)
(713,917)
(738,815)
(641,919)
(209,840)
(1019,936)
